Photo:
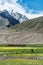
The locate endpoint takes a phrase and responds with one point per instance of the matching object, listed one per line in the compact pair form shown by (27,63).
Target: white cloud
(31,15)
(12,4)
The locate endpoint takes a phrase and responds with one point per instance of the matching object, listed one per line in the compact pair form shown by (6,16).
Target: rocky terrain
(28,32)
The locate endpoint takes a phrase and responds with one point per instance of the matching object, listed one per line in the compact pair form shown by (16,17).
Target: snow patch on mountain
(21,18)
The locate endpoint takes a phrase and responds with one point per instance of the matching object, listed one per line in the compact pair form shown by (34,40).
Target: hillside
(3,23)
(28,32)
(33,25)
(5,14)
(12,17)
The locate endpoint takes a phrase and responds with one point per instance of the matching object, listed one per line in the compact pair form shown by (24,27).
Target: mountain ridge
(34,25)
(19,16)
(25,33)
(5,14)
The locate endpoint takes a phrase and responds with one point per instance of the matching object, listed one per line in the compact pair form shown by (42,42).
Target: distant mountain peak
(19,16)
(6,15)
(11,18)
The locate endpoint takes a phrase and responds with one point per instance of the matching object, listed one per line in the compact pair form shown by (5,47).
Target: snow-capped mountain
(6,15)
(11,18)
(21,18)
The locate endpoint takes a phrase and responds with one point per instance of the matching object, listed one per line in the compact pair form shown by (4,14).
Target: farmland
(21,62)
(22,50)
(26,55)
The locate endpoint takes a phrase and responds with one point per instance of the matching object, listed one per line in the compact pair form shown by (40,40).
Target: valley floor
(31,55)
(21,62)
(11,37)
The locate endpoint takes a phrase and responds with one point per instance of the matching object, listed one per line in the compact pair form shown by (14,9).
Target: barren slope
(30,32)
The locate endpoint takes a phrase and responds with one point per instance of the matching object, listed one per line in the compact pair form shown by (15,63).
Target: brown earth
(11,37)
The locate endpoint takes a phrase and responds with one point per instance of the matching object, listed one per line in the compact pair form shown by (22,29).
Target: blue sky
(32,4)
(30,8)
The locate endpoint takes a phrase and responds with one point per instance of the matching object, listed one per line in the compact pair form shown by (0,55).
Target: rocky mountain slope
(5,14)
(21,18)
(28,32)
(33,25)
(11,18)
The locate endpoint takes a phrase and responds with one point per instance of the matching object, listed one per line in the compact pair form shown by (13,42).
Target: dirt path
(20,57)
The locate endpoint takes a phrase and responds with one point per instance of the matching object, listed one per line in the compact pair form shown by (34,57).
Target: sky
(29,8)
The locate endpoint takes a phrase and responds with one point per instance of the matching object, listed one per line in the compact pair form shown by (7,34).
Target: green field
(21,62)
(22,52)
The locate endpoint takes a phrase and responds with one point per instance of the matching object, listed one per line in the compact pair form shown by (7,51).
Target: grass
(21,62)
(22,50)
(24,55)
